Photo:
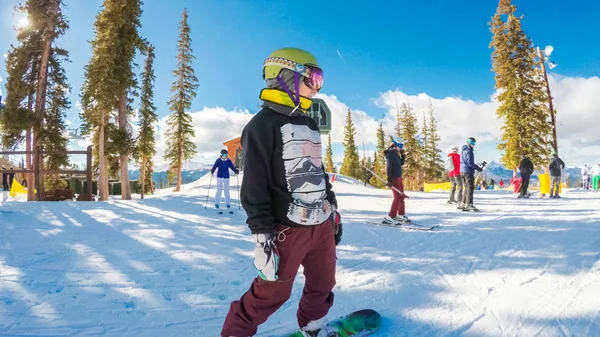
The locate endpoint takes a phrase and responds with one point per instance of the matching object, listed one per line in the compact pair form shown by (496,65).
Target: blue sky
(436,47)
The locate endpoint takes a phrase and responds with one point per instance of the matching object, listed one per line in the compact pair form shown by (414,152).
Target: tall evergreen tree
(412,170)
(435,162)
(54,133)
(379,164)
(108,80)
(31,66)
(180,131)
(426,168)
(351,166)
(329,156)
(145,150)
(522,96)
(22,65)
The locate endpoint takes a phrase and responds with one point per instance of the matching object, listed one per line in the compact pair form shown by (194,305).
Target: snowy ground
(165,266)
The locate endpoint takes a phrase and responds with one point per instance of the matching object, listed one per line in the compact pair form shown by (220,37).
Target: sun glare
(23,22)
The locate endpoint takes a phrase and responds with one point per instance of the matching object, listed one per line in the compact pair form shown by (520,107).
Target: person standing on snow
(5,180)
(595,174)
(467,172)
(222,165)
(288,198)
(526,168)
(556,166)
(395,158)
(585,177)
(453,167)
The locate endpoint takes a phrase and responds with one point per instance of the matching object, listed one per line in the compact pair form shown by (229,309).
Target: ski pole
(378,177)
(207,193)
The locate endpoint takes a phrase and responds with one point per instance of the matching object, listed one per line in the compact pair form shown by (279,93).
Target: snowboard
(409,225)
(359,323)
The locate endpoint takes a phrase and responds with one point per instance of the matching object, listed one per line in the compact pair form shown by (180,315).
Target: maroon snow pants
(397,207)
(312,247)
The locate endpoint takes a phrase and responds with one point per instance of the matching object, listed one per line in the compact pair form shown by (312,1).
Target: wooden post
(89,171)
(36,164)
(552,118)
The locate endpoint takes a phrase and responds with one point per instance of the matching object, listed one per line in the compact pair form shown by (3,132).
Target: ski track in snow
(166,266)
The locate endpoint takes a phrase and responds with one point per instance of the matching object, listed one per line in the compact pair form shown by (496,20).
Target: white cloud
(365,125)
(213,127)
(575,98)
(457,118)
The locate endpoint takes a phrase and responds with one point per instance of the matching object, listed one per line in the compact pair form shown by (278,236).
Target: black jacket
(284,181)
(394,164)
(556,164)
(526,166)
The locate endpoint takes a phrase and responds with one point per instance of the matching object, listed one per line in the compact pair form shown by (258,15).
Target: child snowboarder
(288,198)
(222,165)
(395,158)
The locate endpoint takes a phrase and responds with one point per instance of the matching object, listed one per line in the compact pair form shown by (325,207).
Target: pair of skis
(408,225)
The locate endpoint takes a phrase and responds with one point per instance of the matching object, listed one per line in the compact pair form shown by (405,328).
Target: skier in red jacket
(453,167)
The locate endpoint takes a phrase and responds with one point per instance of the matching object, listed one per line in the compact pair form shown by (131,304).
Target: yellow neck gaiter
(281,97)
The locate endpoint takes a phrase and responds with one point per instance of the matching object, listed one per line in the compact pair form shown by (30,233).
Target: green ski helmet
(297,60)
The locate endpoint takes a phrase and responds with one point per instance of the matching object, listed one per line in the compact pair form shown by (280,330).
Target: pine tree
(180,131)
(148,183)
(412,169)
(22,64)
(54,130)
(526,129)
(433,154)
(29,71)
(351,166)
(426,167)
(329,156)
(367,173)
(145,150)
(379,164)
(109,79)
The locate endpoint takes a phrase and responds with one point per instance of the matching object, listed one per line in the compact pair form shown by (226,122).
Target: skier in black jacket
(526,168)
(556,166)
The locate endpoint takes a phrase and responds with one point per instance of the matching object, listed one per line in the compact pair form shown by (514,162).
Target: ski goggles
(315,79)
(313,76)
(224,155)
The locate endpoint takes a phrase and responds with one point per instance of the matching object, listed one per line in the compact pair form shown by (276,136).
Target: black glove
(389,184)
(332,199)
(479,169)
(337,227)
(483,164)
(237,171)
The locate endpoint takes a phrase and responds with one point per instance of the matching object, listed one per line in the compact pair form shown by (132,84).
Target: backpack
(449,165)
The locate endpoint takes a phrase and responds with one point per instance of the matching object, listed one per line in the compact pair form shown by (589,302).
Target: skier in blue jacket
(222,165)
(467,172)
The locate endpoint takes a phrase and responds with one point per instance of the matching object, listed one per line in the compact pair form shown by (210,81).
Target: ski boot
(469,208)
(388,221)
(401,219)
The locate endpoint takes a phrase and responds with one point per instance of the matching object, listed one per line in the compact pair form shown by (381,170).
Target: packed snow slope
(166,266)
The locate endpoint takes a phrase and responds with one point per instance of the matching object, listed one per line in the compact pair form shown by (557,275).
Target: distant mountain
(191,172)
(497,171)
